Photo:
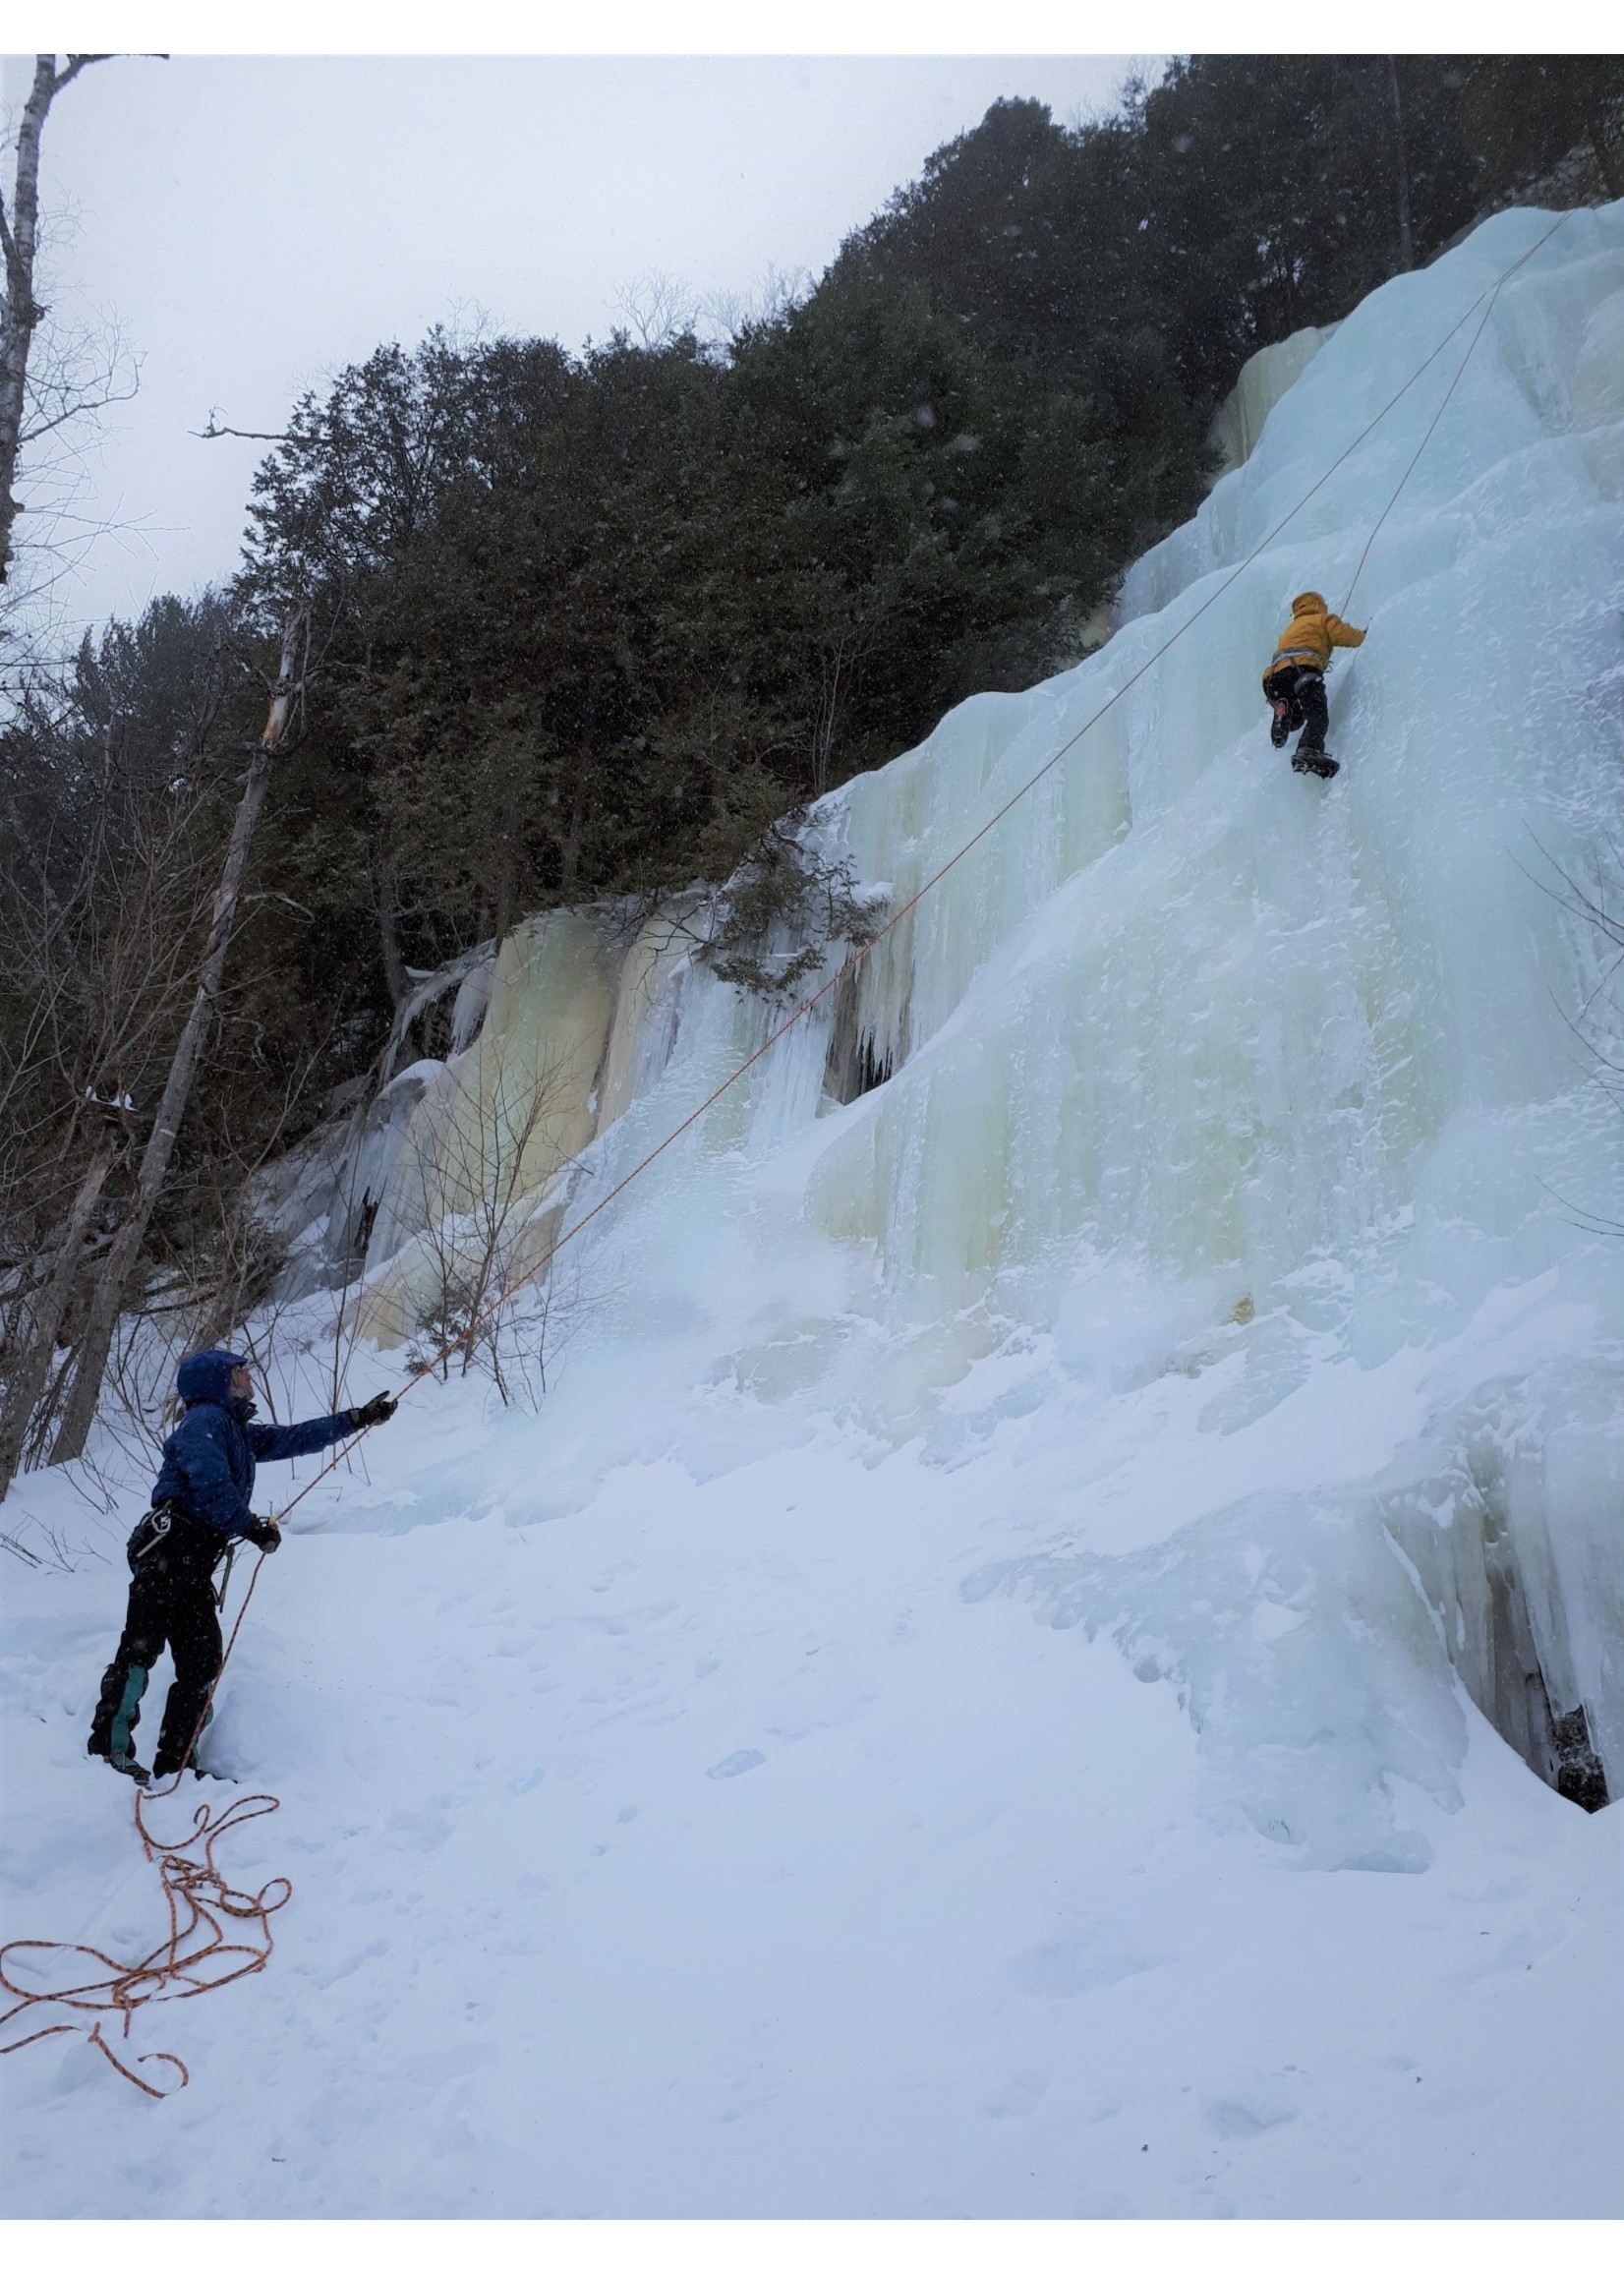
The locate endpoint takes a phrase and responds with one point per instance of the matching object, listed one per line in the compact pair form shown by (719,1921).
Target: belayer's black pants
(166,1608)
(1303,692)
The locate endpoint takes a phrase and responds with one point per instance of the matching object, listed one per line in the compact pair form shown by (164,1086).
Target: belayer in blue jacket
(200,1506)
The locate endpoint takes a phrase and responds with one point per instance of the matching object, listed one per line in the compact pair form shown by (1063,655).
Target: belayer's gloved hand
(264,1535)
(378,1409)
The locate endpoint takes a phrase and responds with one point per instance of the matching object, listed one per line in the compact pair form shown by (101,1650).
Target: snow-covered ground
(960,1701)
(709,1853)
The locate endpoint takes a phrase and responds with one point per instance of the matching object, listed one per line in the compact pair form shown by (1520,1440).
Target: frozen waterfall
(1222,1146)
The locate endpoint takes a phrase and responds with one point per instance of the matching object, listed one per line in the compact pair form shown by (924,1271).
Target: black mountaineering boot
(125,1763)
(1280,726)
(1313,762)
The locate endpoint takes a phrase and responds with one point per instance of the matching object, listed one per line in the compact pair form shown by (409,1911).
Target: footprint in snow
(1019,2096)
(422,1827)
(736,1764)
(1073,1968)
(1257,2103)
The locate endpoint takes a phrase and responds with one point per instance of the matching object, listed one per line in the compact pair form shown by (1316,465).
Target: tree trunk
(388,937)
(221,1316)
(508,886)
(21,313)
(570,853)
(98,1339)
(1401,168)
(22,1391)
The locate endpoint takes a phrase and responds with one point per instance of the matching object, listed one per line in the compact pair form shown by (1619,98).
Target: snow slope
(1002,1676)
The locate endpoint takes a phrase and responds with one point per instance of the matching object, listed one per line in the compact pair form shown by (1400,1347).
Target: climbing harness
(199,1951)
(149,1534)
(225,1576)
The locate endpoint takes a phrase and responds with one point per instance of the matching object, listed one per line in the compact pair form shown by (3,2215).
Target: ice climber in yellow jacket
(1294,684)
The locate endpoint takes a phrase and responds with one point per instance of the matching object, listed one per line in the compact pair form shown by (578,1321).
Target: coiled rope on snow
(204,1948)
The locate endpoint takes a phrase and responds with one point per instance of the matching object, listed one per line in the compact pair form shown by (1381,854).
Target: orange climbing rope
(203,1907)
(198,1953)
(1471,346)
(204,1948)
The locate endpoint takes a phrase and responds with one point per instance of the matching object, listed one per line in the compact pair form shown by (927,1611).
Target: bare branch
(214,432)
(658,308)
(76,64)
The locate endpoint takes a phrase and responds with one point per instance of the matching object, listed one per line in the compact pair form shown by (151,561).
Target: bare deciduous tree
(90,1360)
(108,850)
(770,298)
(484,1233)
(657,308)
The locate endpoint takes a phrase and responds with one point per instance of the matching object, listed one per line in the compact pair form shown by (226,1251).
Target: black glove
(264,1535)
(378,1409)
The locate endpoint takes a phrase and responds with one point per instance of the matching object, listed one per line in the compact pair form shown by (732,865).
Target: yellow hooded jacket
(1311,634)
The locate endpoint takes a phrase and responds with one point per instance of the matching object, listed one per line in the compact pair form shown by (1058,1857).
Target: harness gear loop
(225,1576)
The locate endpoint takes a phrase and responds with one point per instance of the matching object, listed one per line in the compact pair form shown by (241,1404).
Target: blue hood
(204,1379)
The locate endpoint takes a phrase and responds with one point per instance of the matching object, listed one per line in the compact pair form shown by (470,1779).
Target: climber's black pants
(1303,692)
(165,1607)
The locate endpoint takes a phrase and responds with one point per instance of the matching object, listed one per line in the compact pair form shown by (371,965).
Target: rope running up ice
(1436,416)
(1490,293)
(200,1903)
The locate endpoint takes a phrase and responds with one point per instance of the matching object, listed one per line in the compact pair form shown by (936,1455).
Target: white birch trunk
(20,311)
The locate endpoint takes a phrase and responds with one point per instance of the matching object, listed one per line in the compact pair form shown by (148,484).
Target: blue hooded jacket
(210,1461)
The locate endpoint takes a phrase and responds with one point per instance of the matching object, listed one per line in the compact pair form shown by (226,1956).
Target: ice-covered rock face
(1265,379)
(1231,1160)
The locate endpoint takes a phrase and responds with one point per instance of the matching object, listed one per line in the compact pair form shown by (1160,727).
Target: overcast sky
(256,224)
